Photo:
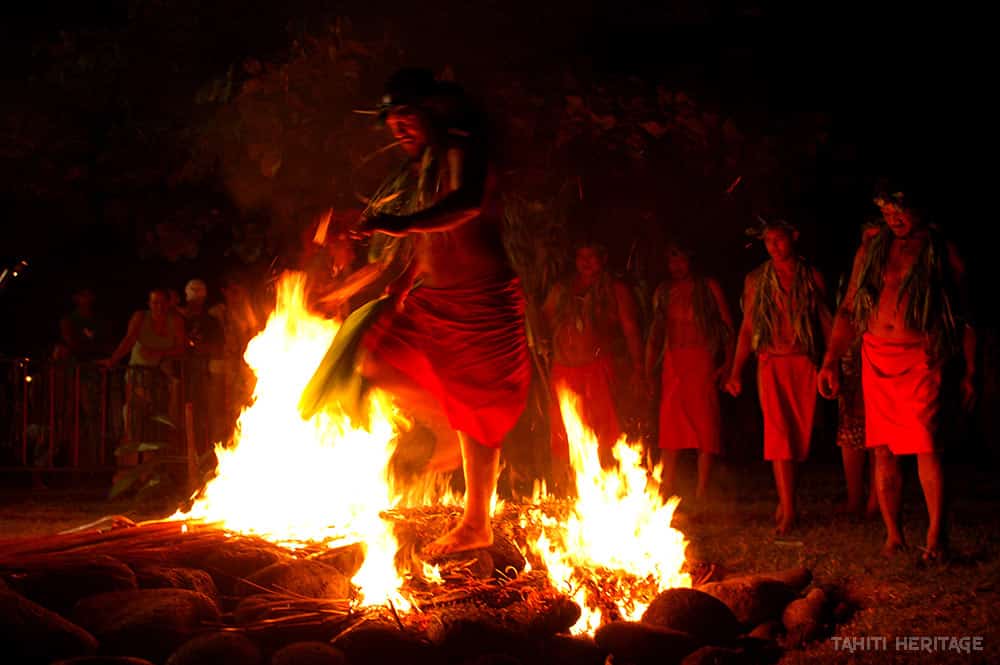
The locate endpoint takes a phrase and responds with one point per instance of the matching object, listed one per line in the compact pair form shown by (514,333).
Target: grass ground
(894,599)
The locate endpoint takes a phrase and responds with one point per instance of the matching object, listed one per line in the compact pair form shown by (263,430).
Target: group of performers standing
(448,337)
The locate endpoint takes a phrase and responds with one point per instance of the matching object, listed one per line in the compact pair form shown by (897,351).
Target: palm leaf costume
(707,317)
(337,379)
(928,289)
(804,303)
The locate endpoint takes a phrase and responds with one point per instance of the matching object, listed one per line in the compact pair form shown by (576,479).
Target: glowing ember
(290,480)
(616,546)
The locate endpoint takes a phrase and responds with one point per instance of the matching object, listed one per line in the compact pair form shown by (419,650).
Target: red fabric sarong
(466,347)
(689,404)
(592,383)
(786,385)
(901,389)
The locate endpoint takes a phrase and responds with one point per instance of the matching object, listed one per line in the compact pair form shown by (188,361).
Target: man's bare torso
(681,323)
(888,319)
(471,253)
(578,338)
(783,342)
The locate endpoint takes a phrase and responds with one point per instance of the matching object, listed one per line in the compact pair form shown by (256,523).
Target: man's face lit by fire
(900,220)
(678,264)
(780,243)
(589,262)
(408,127)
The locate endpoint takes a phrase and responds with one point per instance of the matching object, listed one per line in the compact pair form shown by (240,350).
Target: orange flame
(325,480)
(290,480)
(619,523)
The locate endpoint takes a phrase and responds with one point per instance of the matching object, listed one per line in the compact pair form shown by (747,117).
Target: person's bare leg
(705,462)
(447,455)
(854,475)
(932,482)
(889,485)
(784,479)
(420,404)
(668,458)
(480,465)
(408,395)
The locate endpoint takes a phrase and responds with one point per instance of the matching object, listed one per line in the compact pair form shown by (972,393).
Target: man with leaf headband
(692,335)
(904,297)
(584,316)
(449,334)
(785,322)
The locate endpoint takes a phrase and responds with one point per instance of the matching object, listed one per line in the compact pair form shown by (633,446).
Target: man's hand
(968,388)
(362,230)
(388,224)
(721,377)
(828,381)
(734,385)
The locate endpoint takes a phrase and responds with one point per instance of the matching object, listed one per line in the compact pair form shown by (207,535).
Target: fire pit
(189,593)
(301,550)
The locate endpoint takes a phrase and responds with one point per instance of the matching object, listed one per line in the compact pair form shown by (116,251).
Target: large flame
(325,480)
(290,480)
(617,542)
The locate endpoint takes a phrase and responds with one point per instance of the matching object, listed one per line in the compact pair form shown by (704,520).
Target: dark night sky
(901,85)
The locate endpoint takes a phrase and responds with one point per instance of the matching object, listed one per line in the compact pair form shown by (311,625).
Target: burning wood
(302,536)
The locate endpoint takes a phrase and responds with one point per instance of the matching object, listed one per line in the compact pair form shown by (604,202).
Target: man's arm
(357,280)
(969,339)
(462,204)
(727,320)
(630,326)
(654,344)
(131,335)
(843,332)
(823,308)
(734,386)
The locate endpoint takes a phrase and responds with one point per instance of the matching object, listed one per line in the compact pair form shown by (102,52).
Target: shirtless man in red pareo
(455,338)
(785,321)
(692,336)
(584,317)
(906,296)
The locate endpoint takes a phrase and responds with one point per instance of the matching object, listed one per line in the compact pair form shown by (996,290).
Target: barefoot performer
(851,433)
(851,437)
(784,323)
(454,338)
(584,316)
(906,288)
(692,334)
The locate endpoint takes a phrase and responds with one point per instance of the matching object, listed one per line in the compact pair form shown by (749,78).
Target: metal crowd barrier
(65,415)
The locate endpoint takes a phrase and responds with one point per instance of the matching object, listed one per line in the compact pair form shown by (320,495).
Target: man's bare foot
(785,526)
(935,551)
(460,539)
(892,548)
